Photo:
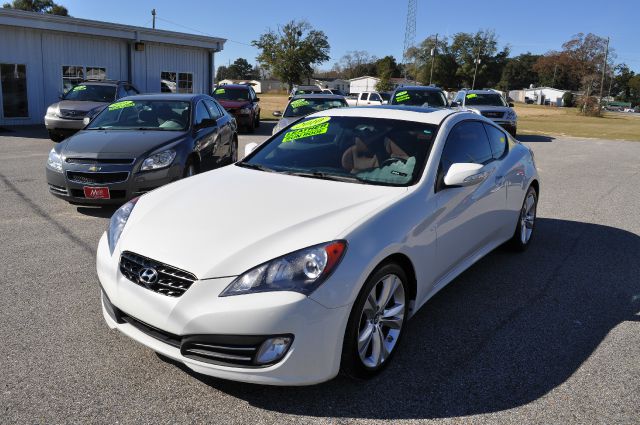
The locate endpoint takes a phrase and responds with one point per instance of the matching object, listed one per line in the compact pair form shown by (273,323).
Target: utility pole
(153,15)
(475,72)
(409,34)
(604,68)
(434,51)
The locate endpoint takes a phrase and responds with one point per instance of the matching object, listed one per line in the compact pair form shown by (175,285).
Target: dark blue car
(140,143)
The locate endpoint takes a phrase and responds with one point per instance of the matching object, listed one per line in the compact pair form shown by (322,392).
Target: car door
(205,136)
(374,99)
(468,218)
(222,146)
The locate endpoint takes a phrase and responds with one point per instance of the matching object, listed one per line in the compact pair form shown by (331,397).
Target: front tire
(376,323)
(56,137)
(190,169)
(252,126)
(521,238)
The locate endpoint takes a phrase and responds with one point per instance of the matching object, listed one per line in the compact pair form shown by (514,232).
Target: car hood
(228,104)
(93,143)
(225,222)
(487,108)
(78,105)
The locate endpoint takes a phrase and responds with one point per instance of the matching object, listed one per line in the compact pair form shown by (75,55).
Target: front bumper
(136,184)
(62,125)
(313,357)
(510,126)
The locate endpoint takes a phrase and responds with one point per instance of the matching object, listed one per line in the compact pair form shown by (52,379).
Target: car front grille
(169,281)
(98,178)
(71,114)
(90,161)
(492,114)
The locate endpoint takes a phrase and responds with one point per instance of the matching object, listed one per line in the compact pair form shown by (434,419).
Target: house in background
(539,96)
(41,55)
(332,83)
(368,83)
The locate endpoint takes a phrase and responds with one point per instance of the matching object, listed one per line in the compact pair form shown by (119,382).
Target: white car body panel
(220,224)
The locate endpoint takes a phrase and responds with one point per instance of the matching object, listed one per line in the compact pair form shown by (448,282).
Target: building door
(13,79)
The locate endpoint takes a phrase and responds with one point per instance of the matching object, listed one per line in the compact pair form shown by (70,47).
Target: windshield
(419,98)
(165,115)
(231,94)
(91,93)
(484,99)
(352,149)
(307,91)
(306,106)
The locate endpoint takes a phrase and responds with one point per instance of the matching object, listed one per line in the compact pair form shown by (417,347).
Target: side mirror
(465,174)
(277,113)
(454,104)
(250,147)
(510,105)
(257,99)
(207,122)
(60,96)
(86,121)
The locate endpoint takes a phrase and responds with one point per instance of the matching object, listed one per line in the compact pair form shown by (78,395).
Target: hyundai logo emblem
(148,276)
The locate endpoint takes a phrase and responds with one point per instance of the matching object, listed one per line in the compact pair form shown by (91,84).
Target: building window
(185,82)
(71,75)
(168,82)
(95,73)
(13,79)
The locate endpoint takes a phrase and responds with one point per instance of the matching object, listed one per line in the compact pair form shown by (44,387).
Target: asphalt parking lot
(548,336)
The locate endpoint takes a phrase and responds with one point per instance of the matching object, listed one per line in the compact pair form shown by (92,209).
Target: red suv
(240,101)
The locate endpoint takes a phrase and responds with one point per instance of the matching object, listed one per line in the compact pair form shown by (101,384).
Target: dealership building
(43,55)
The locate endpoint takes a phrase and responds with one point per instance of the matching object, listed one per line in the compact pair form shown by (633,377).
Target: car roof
(166,96)
(317,96)
(423,88)
(397,112)
(233,86)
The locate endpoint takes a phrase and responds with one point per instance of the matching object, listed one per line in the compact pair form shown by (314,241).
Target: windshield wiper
(325,176)
(255,167)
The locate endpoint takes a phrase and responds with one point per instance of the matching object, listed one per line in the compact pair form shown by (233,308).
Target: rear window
(419,98)
(222,93)
(309,105)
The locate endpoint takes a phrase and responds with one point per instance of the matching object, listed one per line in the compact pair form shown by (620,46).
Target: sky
(378,26)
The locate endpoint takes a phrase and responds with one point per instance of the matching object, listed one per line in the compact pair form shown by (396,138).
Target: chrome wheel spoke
(389,286)
(370,306)
(394,322)
(364,339)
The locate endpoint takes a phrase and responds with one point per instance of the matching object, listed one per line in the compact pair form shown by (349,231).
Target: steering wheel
(393,160)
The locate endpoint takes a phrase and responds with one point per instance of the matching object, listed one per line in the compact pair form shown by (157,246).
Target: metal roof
(47,22)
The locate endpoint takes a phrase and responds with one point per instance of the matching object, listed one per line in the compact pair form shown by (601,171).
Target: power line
(198,31)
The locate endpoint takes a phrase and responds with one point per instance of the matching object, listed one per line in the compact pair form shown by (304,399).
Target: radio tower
(409,34)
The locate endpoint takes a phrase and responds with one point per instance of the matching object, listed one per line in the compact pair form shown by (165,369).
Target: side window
(363,96)
(375,97)
(213,109)
(201,113)
(467,142)
(497,140)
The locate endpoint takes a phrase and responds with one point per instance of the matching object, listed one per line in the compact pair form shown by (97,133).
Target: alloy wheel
(527,217)
(381,321)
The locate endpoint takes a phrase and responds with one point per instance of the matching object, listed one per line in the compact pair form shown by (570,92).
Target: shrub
(567,99)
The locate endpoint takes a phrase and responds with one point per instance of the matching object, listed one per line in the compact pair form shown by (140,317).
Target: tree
(291,51)
(222,73)
(40,6)
(357,63)
(241,69)
(518,72)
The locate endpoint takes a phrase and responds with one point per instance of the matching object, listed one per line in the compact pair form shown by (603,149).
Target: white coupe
(308,257)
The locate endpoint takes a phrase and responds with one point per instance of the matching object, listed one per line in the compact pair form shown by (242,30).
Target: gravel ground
(548,336)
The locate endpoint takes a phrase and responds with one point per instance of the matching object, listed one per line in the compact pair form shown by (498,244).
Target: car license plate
(96,192)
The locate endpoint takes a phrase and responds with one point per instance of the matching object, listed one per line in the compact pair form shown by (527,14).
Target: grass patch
(547,120)
(270,102)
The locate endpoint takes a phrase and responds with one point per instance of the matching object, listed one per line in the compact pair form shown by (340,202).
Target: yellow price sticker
(121,105)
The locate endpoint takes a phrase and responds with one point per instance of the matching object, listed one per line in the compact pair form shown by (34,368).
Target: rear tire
(376,323)
(258,120)
(521,238)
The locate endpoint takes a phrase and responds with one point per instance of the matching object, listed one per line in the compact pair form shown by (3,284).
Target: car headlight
(300,271)
(54,161)
(245,110)
(117,223)
(53,111)
(159,160)
(510,115)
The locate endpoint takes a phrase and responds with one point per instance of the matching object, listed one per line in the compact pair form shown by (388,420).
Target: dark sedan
(140,143)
